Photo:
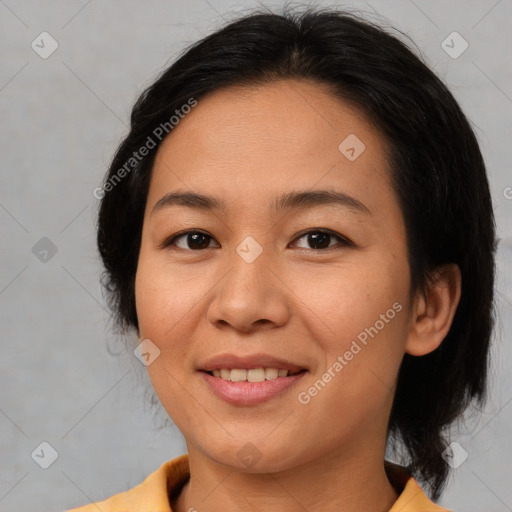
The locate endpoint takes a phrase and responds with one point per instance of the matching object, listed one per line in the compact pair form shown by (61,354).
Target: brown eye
(193,240)
(320,239)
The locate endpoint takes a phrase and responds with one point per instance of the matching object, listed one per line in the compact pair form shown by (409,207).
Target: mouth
(250,379)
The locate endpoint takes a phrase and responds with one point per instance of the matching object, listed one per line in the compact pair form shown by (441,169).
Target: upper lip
(231,361)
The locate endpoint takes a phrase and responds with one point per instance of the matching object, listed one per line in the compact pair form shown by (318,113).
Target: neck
(344,481)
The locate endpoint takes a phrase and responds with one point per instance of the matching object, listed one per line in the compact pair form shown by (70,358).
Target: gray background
(62,118)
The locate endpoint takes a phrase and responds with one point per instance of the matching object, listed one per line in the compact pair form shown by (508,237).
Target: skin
(297,302)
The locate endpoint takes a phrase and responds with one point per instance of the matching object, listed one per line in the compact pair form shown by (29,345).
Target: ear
(433,312)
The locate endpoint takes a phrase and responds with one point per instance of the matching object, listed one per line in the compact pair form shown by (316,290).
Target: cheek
(345,300)
(165,304)
(165,299)
(361,332)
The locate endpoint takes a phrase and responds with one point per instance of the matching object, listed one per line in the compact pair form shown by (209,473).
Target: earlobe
(434,311)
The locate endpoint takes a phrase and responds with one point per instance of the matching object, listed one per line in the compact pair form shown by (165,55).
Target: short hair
(437,172)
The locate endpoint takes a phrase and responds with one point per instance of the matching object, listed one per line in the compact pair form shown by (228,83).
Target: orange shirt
(152,495)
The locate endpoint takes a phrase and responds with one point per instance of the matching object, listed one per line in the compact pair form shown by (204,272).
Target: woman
(299,229)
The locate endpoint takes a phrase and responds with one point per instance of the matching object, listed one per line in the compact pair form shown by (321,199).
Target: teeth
(238,375)
(271,373)
(251,375)
(256,375)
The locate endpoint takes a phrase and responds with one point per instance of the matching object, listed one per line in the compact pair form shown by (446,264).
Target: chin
(256,456)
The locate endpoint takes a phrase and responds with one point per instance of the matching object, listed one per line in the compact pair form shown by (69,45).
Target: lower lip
(250,393)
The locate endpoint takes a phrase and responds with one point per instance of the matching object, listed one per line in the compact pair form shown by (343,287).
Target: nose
(251,296)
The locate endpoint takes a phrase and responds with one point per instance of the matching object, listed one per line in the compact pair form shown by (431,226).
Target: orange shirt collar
(152,495)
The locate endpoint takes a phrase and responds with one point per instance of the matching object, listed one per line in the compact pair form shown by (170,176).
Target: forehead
(243,141)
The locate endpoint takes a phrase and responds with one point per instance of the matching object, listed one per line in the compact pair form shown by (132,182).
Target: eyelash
(344,242)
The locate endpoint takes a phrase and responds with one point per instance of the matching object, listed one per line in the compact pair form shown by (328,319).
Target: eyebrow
(297,200)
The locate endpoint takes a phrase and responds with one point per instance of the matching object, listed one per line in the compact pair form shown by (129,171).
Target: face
(298,263)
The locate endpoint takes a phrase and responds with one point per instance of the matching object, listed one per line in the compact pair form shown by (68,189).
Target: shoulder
(411,497)
(152,494)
